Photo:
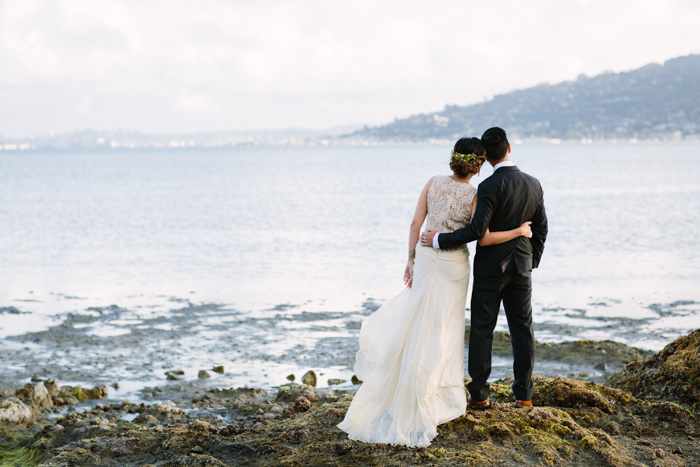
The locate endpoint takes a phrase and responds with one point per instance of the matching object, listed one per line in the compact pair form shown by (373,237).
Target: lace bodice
(449,204)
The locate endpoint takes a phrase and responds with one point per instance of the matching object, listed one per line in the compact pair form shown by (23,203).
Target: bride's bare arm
(494,238)
(414,232)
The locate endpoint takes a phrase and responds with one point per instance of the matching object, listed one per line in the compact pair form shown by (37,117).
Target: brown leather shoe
(478,405)
(522,404)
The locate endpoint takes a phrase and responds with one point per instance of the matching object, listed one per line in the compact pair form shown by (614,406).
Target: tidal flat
(205,384)
(133,346)
(574,422)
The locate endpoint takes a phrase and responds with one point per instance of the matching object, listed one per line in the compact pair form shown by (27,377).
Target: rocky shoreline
(647,414)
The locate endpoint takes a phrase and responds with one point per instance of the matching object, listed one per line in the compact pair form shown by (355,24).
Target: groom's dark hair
(495,142)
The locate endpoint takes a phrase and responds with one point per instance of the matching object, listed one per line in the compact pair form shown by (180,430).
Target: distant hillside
(655,101)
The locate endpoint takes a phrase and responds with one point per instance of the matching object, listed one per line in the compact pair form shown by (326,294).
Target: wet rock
(168,409)
(73,395)
(174,375)
(35,395)
(291,377)
(14,411)
(672,374)
(57,429)
(333,382)
(203,374)
(325,394)
(123,447)
(239,394)
(204,427)
(582,352)
(145,418)
(65,400)
(355,380)
(309,378)
(115,385)
(52,386)
(290,391)
(218,369)
(301,405)
(565,392)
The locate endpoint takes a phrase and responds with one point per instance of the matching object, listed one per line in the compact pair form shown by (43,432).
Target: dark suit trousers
(516,292)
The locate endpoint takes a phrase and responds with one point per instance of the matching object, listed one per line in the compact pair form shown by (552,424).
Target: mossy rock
(581,352)
(98,392)
(575,394)
(672,374)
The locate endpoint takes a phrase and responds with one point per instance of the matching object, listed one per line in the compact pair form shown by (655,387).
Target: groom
(506,199)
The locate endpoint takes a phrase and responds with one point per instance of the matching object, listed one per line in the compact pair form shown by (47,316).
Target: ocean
(283,249)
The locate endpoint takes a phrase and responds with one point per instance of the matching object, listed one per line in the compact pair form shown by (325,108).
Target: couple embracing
(411,356)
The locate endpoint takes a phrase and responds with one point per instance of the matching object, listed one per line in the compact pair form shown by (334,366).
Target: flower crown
(471,157)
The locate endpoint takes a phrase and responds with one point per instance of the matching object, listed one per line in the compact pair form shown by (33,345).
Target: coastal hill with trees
(655,101)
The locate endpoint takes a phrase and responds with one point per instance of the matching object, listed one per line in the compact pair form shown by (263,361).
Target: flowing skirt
(411,357)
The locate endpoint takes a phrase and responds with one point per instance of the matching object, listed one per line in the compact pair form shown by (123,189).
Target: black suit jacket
(507,198)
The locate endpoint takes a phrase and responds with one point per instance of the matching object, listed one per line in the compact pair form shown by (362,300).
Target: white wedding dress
(411,357)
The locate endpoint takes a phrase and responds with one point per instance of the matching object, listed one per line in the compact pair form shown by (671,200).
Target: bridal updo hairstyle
(460,163)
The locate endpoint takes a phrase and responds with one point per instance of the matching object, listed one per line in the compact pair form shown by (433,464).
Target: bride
(411,357)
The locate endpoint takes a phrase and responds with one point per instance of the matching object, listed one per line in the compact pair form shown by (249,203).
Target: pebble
(203,374)
(291,377)
(218,369)
(332,382)
(309,378)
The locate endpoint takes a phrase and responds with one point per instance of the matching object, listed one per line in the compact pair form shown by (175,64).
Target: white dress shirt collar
(503,164)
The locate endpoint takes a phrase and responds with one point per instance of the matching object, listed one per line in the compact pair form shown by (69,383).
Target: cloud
(198,103)
(182,65)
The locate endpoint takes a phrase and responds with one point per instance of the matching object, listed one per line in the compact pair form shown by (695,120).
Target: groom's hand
(426,238)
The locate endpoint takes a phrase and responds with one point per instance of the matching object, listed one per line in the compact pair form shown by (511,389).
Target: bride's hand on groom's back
(525,230)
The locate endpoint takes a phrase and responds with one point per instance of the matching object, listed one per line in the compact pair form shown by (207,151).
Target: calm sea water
(326,228)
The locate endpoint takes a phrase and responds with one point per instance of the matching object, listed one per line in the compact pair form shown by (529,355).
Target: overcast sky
(181,66)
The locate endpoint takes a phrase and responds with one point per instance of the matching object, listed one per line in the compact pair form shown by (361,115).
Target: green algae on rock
(671,375)
(16,450)
(580,424)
